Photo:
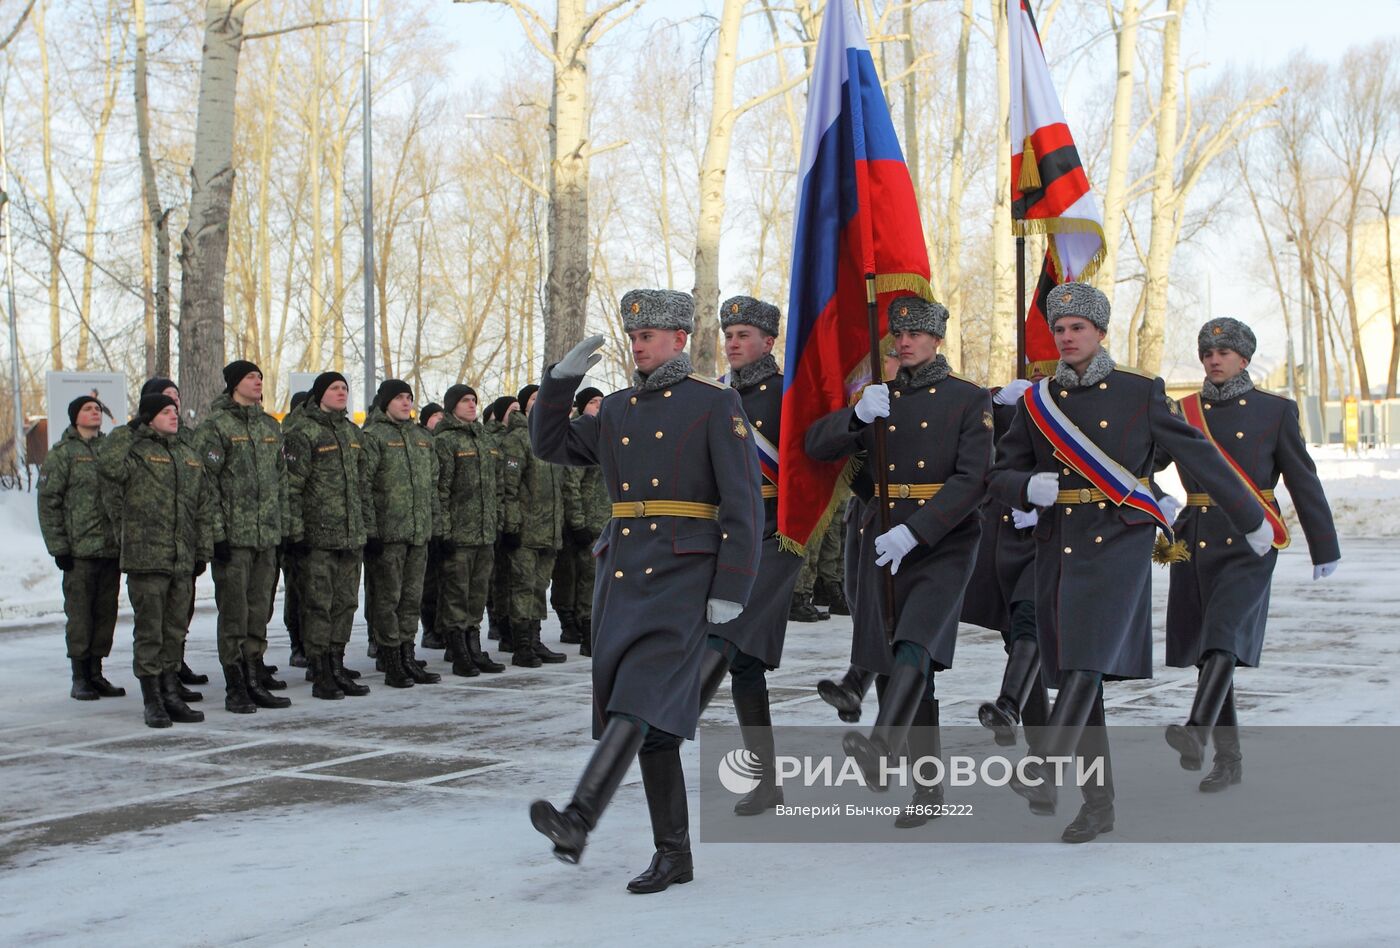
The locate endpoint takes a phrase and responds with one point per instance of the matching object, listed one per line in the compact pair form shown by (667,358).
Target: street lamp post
(368,226)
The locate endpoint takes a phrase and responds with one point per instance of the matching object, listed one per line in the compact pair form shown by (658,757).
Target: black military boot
(188,676)
(342,676)
(257,686)
(1226,771)
(568,627)
(103,687)
(346,671)
(457,654)
(150,700)
(391,663)
(585,637)
(664,781)
(802,610)
(924,741)
(504,630)
(522,651)
(714,666)
(175,706)
(372,651)
(1096,815)
(236,700)
(298,658)
(846,695)
(265,675)
(898,705)
(1216,678)
(839,606)
(479,657)
(568,829)
(415,668)
(82,689)
(1073,706)
(1002,716)
(756,726)
(324,685)
(545,653)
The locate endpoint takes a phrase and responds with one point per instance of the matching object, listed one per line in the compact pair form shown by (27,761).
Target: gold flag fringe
(848,473)
(906,282)
(1030,168)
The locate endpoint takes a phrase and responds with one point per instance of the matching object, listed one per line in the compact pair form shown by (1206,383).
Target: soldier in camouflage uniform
(429,417)
(534,528)
(587,511)
(328,509)
(469,490)
(495,419)
(561,585)
(169,518)
(241,446)
(401,474)
(79,537)
(291,580)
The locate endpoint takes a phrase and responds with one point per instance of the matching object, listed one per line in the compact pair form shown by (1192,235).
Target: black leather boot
(756,726)
(802,610)
(324,685)
(664,780)
(298,656)
(546,654)
(1002,715)
(1096,814)
(1227,770)
(585,637)
(847,694)
(152,705)
(714,666)
(839,606)
(568,627)
(395,674)
(568,829)
(82,689)
(1216,678)
(188,676)
(898,705)
(415,668)
(1073,706)
(522,650)
(342,676)
(265,676)
(103,687)
(372,650)
(479,657)
(236,700)
(257,689)
(925,740)
(175,705)
(459,656)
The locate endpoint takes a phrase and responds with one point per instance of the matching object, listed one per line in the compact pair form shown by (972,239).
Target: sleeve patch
(741,426)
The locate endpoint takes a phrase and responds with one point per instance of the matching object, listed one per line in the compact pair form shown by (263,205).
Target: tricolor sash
(767,450)
(1194,413)
(1074,449)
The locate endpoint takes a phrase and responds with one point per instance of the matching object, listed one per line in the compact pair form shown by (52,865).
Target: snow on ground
(400,817)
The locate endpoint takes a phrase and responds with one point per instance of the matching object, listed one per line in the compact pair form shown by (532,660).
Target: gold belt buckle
(903,491)
(639,508)
(1085,495)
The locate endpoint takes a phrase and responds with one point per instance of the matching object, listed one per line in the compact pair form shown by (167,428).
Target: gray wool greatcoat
(1219,599)
(760,629)
(688,441)
(1093,563)
(935,434)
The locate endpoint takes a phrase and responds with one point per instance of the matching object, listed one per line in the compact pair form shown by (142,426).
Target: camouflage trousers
(394,592)
(243,590)
(330,588)
(498,599)
(571,588)
(161,604)
(824,560)
(464,581)
(530,570)
(90,603)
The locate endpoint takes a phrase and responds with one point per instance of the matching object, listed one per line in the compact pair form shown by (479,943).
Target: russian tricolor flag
(856,215)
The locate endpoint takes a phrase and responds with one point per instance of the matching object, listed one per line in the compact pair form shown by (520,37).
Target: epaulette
(964,378)
(710,382)
(1134,370)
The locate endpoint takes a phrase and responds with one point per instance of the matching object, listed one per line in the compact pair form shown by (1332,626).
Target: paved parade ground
(400,818)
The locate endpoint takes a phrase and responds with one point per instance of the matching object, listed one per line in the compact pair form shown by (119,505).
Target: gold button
(1064,394)
(1208,406)
(655,482)
(1239,434)
(633,399)
(891,505)
(627,531)
(1103,424)
(653,526)
(618,574)
(759,423)
(1103,385)
(1098,539)
(923,424)
(1243,402)
(921,503)
(1068,511)
(666,394)
(1005,518)
(1204,509)
(1068,550)
(659,434)
(725,535)
(921,465)
(891,427)
(626,486)
(626,440)
(763,387)
(1103,506)
(891,467)
(1066,472)
(1202,544)
(1229,541)
(647,570)
(897,394)
(932,391)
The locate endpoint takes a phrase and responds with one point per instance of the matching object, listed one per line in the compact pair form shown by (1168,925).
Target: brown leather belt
(1203,500)
(665,508)
(911,491)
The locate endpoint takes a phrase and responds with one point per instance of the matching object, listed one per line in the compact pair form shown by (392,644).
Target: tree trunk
(1120,148)
(156,218)
(113,60)
(55,228)
(565,318)
(1001,361)
(952,262)
(1164,198)
(316,303)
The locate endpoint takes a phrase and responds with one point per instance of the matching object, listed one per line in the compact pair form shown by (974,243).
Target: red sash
(1196,417)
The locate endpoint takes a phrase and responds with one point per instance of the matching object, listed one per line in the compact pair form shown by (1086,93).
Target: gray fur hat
(1226,333)
(658,309)
(1078,299)
(916,314)
(747,311)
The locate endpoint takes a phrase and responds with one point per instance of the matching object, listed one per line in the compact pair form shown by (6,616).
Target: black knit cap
(497,409)
(523,397)
(236,371)
(390,389)
(455,394)
(157,385)
(152,405)
(76,405)
(426,413)
(585,396)
(323,382)
(299,399)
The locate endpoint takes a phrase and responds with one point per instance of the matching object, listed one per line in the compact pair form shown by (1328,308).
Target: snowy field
(400,818)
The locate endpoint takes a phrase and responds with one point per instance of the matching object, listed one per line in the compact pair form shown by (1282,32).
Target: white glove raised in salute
(1011,392)
(1043,488)
(579,360)
(874,403)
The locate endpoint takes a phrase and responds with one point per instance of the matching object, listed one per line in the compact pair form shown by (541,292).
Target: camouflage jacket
(115,444)
(169,516)
(470,484)
(534,493)
(328,503)
(401,472)
(241,447)
(592,507)
(72,514)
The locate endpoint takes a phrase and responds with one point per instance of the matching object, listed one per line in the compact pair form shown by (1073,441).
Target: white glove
(1043,489)
(1323,570)
(1025,519)
(720,611)
(1261,538)
(1171,507)
(578,360)
(1011,392)
(874,403)
(894,546)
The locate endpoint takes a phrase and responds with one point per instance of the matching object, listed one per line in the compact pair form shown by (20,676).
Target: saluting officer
(938,449)
(682,548)
(1219,599)
(1082,449)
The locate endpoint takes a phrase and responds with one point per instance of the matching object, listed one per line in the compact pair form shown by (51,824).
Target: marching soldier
(1081,448)
(241,447)
(1219,598)
(329,510)
(682,549)
(496,418)
(469,497)
(168,520)
(79,537)
(938,449)
(534,527)
(587,511)
(750,645)
(291,580)
(429,417)
(401,475)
